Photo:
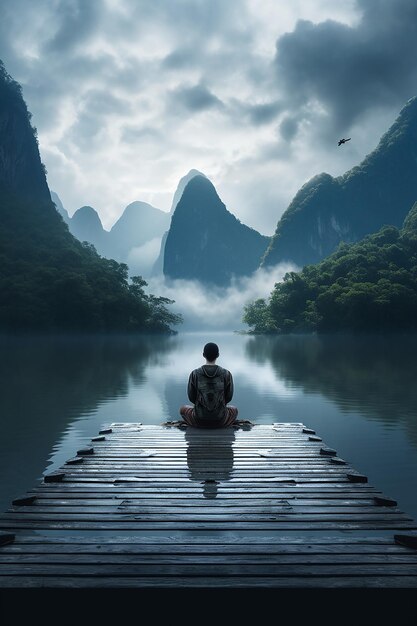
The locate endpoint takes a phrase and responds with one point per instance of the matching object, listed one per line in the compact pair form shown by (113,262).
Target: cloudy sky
(129,95)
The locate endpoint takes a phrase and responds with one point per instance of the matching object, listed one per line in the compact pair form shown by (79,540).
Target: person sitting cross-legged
(210,388)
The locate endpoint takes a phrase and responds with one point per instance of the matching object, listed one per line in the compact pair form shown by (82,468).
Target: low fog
(204,307)
(142,258)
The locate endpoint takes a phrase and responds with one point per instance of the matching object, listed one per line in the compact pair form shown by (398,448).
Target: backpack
(210,402)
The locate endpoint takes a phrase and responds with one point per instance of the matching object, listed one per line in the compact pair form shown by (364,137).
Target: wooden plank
(357,478)
(406,540)
(156,469)
(215,582)
(333,539)
(329,551)
(328,452)
(215,508)
(206,525)
(76,460)
(326,497)
(227,487)
(180,514)
(337,461)
(6,538)
(168,480)
(384,501)
(201,559)
(85,451)
(24,500)
(226,499)
(264,480)
(54,477)
(229,465)
(218,569)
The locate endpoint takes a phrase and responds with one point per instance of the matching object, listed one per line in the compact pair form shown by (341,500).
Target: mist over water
(214,307)
(358,393)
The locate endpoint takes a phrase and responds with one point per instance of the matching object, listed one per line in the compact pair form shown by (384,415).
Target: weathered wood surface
(228,487)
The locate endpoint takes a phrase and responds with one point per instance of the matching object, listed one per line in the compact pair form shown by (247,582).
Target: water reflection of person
(210,457)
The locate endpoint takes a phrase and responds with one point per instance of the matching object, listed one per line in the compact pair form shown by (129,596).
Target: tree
(367,286)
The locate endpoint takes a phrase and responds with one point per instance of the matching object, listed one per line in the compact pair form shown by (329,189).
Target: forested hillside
(366,286)
(50,281)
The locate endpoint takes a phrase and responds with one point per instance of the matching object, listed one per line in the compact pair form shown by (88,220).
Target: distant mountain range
(326,210)
(200,239)
(139,224)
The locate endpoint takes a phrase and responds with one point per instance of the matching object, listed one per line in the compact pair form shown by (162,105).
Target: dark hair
(211,351)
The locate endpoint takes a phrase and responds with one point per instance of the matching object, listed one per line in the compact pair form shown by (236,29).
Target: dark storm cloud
(78,21)
(64,58)
(163,62)
(254,114)
(264,113)
(46,46)
(50,87)
(288,128)
(195,99)
(350,70)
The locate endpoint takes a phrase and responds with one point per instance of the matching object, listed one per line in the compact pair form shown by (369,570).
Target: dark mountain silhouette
(158,267)
(182,185)
(50,281)
(206,242)
(21,170)
(329,210)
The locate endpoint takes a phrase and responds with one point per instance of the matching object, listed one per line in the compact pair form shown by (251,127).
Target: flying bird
(343,141)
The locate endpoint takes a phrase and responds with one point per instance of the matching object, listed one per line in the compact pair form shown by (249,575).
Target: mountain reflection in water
(374,375)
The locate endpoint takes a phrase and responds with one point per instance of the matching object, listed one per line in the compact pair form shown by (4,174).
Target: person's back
(214,389)
(210,388)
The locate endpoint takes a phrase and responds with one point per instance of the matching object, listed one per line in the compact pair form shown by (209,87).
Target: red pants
(188,415)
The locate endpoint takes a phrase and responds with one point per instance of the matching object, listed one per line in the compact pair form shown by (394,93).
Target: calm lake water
(359,394)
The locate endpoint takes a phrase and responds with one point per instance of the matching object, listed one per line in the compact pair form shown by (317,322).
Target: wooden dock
(164,507)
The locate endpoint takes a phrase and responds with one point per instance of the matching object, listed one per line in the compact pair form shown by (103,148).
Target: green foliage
(258,315)
(362,287)
(49,281)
